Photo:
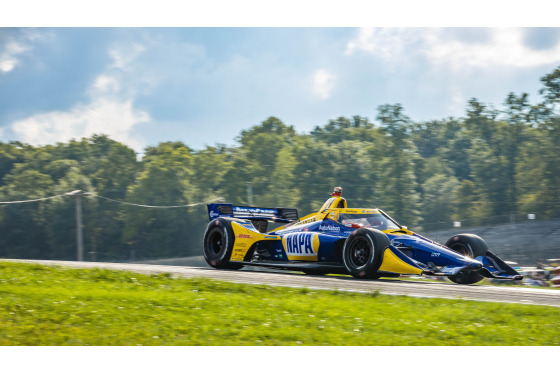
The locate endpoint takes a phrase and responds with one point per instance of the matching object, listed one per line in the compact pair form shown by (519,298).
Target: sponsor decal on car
(254,210)
(329,228)
(244,236)
(302,244)
(308,220)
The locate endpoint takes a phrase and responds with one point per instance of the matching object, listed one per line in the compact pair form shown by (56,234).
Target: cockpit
(367,220)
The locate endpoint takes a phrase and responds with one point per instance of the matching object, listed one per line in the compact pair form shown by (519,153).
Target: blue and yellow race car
(365,243)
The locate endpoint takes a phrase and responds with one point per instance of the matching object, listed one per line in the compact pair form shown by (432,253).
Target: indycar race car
(365,243)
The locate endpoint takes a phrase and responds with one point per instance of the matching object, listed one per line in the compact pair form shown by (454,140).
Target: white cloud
(385,42)
(14,44)
(124,55)
(105,84)
(503,47)
(110,110)
(323,83)
(457,102)
(113,118)
(8,56)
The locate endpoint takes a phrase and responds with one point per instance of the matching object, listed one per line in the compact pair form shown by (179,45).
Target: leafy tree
(10,155)
(335,131)
(478,169)
(400,197)
(282,190)
(23,225)
(314,171)
(209,168)
(165,181)
(60,225)
(256,160)
(518,116)
(468,204)
(437,201)
(539,175)
(551,89)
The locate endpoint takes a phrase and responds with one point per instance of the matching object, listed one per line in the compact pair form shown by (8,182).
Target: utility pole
(249,194)
(77,195)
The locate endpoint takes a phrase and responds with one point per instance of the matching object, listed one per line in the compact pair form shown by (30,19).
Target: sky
(204,85)
(200,72)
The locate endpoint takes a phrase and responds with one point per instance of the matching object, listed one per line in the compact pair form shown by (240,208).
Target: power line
(32,200)
(117,201)
(77,195)
(219,199)
(154,206)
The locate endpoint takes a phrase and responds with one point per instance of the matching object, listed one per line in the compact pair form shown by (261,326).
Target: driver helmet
(337,191)
(376,222)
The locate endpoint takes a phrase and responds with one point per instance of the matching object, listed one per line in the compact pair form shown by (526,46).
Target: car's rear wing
(253,213)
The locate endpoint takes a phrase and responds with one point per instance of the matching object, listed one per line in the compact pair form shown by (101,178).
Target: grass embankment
(42,305)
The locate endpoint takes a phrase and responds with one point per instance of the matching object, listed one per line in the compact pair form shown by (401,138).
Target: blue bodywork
(434,257)
(411,248)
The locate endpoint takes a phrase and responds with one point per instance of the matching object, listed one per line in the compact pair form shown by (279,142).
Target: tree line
(490,166)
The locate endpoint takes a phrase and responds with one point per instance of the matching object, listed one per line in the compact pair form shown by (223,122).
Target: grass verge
(47,305)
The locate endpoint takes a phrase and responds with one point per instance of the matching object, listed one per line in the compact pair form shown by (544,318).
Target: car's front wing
(489,266)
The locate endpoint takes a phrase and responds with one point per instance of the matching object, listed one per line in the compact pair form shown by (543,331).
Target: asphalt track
(520,295)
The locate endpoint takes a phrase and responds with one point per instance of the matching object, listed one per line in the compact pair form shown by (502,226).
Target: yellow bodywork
(246,236)
(244,239)
(394,264)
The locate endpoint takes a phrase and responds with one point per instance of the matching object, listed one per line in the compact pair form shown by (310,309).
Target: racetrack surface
(535,296)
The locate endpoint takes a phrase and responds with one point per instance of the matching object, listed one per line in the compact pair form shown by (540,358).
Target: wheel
(363,252)
(218,244)
(468,245)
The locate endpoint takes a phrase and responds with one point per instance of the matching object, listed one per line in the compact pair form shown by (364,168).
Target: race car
(365,243)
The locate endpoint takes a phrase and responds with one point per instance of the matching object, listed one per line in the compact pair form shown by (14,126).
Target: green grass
(44,305)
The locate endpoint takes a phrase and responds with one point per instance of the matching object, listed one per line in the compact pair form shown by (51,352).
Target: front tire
(468,245)
(363,252)
(218,244)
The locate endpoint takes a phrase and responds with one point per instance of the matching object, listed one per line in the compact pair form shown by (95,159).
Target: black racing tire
(468,245)
(218,244)
(363,252)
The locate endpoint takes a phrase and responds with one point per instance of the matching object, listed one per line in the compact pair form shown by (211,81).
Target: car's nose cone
(475,264)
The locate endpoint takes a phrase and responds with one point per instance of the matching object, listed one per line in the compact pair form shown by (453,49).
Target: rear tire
(363,252)
(468,245)
(218,244)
